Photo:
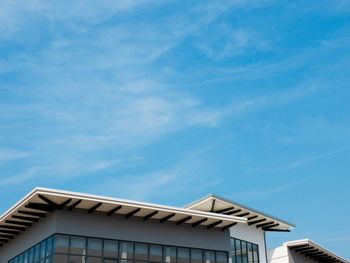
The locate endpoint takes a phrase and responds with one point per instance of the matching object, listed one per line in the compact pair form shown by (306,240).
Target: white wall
(250,234)
(278,255)
(284,255)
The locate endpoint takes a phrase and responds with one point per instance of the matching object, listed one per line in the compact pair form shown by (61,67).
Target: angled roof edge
(300,242)
(240,205)
(92,197)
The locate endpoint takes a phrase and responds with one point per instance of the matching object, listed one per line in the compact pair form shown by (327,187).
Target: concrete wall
(284,255)
(250,234)
(116,227)
(28,238)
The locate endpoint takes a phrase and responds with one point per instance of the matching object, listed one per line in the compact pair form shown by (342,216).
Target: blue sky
(167,101)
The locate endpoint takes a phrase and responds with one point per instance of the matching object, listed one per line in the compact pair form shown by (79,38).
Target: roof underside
(220,205)
(38,203)
(310,249)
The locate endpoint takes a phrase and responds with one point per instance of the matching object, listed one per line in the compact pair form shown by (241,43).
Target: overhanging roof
(41,201)
(312,250)
(221,205)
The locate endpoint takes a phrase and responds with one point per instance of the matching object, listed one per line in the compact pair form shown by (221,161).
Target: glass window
(250,252)
(196,256)
(256,253)
(170,254)
(209,256)
(183,255)
(77,246)
(75,259)
(25,257)
(221,257)
(141,252)
(61,245)
(31,255)
(75,249)
(37,253)
(42,249)
(110,248)
(126,250)
(49,244)
(94,260)
(238,251)
(94,247)
(60,258)
(244,252)
(155,253)
(233,250)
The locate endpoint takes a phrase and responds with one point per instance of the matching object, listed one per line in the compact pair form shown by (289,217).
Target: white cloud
(300,162)
(7,155)
(266,192)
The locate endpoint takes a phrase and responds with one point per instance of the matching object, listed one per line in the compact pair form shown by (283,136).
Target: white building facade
(303,251)
(50,226)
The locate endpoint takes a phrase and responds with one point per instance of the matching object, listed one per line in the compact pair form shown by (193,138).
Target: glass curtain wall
(77,249)
(244,252)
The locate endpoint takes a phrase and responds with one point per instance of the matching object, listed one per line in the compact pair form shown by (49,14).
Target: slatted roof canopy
(314,251)
(41,201)
(221,205)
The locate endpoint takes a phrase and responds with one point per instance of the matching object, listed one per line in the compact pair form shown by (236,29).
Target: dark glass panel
(76,259)
(78,245)
(209,256)
(155,253)
(94,247)
(94,260)
(31,255)
(107,260)
(233,250)
(221,257)
(42,249)
(183,255)
(60,258)
(196,256)
(238,251)
(255,253)
(25,257)
(250,252)
(244,252)
(110,249)
(170,254)
(49,244)
(126,250)
(37,253)
(141,252)
(61,245)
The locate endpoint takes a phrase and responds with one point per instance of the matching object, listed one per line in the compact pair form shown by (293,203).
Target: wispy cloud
(257,194)
(300,162)
(172,182)
(7,155)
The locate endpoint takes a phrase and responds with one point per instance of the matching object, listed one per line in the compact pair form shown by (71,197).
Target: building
(302,251)
(59,226)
